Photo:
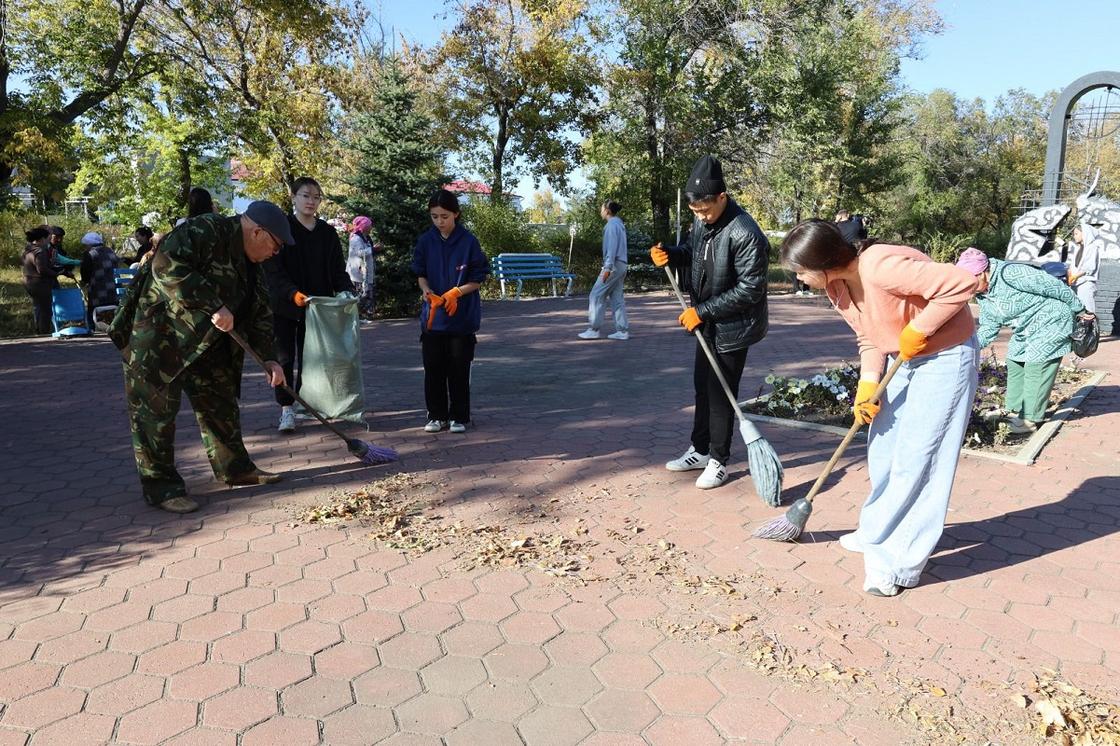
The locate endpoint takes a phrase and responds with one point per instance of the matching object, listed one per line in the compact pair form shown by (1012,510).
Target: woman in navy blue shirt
(450,267)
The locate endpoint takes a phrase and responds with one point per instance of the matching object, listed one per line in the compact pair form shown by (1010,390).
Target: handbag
(1086,336)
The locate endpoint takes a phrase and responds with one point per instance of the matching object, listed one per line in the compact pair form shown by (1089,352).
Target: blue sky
(988,47)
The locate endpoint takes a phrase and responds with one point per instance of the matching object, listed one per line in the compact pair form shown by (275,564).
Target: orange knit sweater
(904,286)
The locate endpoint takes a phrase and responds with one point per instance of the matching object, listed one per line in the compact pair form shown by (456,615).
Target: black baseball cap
(272,219)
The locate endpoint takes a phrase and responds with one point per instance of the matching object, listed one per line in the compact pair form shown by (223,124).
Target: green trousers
(211,383)
(1028,388)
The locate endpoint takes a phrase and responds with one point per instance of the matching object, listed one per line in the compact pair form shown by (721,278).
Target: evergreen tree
(398,166)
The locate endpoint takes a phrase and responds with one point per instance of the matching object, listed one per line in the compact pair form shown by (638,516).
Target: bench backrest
(513,264)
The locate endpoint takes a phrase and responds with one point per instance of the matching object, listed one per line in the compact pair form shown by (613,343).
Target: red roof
(467,187)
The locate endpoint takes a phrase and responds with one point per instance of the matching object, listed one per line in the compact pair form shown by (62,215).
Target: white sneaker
(689,461)
(619,335)
(590,334)
(714,475)
(882,588)
(434,426)
(287,420)
(799,293)
(852,543)
(457,427)
(1019,426)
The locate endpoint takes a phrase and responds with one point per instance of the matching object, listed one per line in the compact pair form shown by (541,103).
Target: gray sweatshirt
(614,243)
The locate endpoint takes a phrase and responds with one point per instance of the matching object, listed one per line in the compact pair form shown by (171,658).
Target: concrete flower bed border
(1025,456)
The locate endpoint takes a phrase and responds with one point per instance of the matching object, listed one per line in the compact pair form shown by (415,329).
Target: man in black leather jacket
(726,265)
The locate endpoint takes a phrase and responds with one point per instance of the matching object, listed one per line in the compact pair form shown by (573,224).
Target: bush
(500,228)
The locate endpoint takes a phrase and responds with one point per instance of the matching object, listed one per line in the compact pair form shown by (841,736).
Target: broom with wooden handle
(789,526)
(766,467)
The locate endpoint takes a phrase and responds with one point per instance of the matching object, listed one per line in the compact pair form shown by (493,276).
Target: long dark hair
(199,202)
(612,207)
(816,245)
(447,200)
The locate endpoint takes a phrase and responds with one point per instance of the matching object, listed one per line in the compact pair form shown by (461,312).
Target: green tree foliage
(511,80)
(398,165)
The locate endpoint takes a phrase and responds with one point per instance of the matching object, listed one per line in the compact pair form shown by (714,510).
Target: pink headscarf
(974,260)
(361,224)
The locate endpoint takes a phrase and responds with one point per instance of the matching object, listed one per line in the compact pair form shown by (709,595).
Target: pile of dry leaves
(1069,715)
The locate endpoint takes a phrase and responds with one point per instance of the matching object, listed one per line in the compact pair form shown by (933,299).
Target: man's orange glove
(300,299)
(690,319)
(911,342)
(659,256)
(864,409)
(434,302)
(451,300)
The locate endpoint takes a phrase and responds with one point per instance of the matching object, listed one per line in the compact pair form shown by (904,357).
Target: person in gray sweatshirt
(608,286)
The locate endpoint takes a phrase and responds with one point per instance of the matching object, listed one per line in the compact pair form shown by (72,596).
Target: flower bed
(826,399)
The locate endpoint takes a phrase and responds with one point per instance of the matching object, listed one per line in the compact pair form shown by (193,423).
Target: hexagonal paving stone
(472,639)
(143,637)
(71,647)
(211,627)
(410,650)
(346,660)
(694,731)
(585,617)
(750,719)
(285,730)
(386,687)
(529,628)
(488,607)
(515,662)
(336,608)
(124,695)
(565,686)
(316,697)
(244,646)
(50,626)
(359,725)
(575,649)
(98,669)
(432,714)
(183,608)
(16,651)
(309,637)
(244,600)
(501,700)
(275,616)
(684,694)
(557,726)
(431,617)
(820,709)
(475,732)
(239,709)
(81,728)
(45,707)
(157,722)
(453,675)
(626,712)
(204,681)
(303,591)
(277,670)
(172,657)
(626,670)
(372,626)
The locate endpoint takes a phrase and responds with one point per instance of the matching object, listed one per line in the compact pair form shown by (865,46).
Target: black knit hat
(706,177)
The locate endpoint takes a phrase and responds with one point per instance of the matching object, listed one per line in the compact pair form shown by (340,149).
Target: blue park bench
(520,267)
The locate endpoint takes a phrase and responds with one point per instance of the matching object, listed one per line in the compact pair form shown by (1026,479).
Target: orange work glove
(690,319)
(864,409)
(659,256)
(434,302)
(911,343)
(606,275)
(451,300)
(300,299)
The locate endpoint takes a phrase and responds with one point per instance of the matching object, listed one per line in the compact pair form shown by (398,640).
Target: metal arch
(1059,123)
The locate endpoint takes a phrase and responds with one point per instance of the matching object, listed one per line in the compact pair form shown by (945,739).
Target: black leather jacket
(732,301)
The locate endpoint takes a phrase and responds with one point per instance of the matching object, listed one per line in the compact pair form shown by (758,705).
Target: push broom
(364,451)
(766,468)
(790,526)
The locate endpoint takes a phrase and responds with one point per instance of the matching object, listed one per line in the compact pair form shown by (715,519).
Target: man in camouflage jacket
(202,282)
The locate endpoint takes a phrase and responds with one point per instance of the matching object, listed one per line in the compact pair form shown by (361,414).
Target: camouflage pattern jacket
(163,324)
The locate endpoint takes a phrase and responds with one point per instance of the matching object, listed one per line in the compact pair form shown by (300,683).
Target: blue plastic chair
(68,313)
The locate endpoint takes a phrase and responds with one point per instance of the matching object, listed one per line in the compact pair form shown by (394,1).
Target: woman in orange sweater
(900,304)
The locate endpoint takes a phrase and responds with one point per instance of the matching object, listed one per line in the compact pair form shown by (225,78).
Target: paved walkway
(655,619)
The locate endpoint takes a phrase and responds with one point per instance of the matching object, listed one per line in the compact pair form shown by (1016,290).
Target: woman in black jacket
(314,265)
(727,262)
(40,276)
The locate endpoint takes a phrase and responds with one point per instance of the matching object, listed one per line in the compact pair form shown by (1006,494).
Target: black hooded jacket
(727,278)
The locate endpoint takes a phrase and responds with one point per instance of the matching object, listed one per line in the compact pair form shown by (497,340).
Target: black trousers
(41,309)
(447,375)
(289,346)
(714,422)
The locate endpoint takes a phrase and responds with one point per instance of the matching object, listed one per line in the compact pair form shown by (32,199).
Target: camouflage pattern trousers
(211,383)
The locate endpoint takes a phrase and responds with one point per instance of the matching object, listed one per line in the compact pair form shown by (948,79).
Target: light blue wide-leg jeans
(609,292)
(915,442)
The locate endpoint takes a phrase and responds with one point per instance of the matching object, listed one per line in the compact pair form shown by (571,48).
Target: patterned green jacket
(1039,309)
(163,324)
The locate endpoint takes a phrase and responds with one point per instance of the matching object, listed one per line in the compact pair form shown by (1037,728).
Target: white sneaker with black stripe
(714,475)
(689,461)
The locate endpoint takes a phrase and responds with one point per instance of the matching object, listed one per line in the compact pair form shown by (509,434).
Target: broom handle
(856,425)
(245,346)
(707,350)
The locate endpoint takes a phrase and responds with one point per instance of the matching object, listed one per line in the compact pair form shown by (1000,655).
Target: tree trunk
(184,179)
(658,200)
(497,187)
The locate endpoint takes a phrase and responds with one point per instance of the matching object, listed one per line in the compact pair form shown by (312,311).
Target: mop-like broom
(789,526)
(362,450)
(765,466)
